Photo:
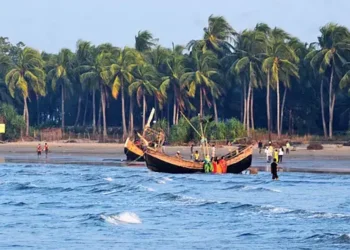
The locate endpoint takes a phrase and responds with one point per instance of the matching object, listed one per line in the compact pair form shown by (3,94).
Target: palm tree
(247,64)
(330,58)
(144,41)
(200,76)
(216,37)
(143,85)
(27,74)
(171,83)
(280,60)
(94,73)
(121,71)
(59,75)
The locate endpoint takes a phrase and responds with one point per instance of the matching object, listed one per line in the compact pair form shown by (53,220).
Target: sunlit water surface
(104,207)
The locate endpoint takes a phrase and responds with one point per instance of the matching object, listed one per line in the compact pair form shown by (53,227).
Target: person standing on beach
(287,147)
(38,149)
(275,156)
(274,170)
(280,155)
(260,145)
(213,152)
(192,151)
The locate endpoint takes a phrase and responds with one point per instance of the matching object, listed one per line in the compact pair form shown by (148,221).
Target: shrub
(14,122)
(234,129)
(216,131)
(180,133)
(315,146)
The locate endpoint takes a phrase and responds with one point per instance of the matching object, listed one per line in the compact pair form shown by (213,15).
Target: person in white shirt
(268,153)
(213,152)
(280,154)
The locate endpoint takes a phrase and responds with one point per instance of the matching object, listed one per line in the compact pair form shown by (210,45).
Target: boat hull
(159,162)
(132,152)
(240,162)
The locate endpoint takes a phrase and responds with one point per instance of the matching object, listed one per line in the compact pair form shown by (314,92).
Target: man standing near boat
(260,145)
(191,151)
(213,152)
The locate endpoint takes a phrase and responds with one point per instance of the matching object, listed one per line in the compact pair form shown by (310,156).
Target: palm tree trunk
(168,117)
(103,104)
(322,111)
(62,108)
(252,109)
(330,104)
(242,105)
(268,105)
(37,110)
(155,108)
(26,115)
(278,107)
(215,110)
(245,107)
(78,113)
(143,110)
(201,102)
(282,108)
(177,114)
(123,111)
(174,107)
(93,111)
(248,108)
(85,109)
(131,116)
(99,117)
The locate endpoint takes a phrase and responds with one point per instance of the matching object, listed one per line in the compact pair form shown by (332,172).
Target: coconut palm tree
(97,72)
(247,64)
(121,73)
(217,36)
(200,76)
(144,41)
(60,75)
(280,59)
(330,58)
(27,74)
(144,85)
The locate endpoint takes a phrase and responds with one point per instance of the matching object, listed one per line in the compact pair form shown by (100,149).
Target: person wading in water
(38,149)
(274,170)
(46,149)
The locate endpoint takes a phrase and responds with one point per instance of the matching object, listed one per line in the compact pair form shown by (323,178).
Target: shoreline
(332,159)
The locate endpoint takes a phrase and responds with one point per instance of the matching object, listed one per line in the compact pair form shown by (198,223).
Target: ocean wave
(108,179)
(251,188)
(122,218)
(13,203)
(331,237)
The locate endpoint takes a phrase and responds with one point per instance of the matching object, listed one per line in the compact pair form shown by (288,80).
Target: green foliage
(234,129)
(161,125)
(180,133)
(14,122)
(217,131)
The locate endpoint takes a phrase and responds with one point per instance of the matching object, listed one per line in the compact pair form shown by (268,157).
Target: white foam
(277,210)
(122,218)
(167,179)
(149,189)
(161,182)
(108,179)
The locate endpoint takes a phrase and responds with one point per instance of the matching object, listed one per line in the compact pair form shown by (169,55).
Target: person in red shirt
(46,149)
(39,149)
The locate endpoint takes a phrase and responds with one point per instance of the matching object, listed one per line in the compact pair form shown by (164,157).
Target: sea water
(45,206)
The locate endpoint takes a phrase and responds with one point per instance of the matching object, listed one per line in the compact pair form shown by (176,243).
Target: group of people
(39,149)
(274,153)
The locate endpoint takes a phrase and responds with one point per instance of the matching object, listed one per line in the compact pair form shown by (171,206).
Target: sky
(49,25)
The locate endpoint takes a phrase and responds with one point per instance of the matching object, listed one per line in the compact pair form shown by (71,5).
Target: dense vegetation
(263,76)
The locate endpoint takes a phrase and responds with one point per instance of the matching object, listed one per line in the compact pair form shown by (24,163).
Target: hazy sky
(53,24)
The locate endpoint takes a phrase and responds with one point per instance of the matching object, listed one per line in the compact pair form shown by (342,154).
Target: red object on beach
(215,167)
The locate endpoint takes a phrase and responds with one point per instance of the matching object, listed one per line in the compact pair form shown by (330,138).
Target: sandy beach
(332,159)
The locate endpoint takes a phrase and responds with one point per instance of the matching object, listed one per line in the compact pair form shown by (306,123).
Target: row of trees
(257,75)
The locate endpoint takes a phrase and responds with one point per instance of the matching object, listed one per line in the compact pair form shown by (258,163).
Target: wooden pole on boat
(148,124)
(191,124)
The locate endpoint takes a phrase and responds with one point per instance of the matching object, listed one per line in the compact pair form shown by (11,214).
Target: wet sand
(332,159)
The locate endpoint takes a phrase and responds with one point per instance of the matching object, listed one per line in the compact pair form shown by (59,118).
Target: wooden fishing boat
(240,160)
(160,162)
(132,151)
(237,161)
